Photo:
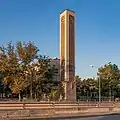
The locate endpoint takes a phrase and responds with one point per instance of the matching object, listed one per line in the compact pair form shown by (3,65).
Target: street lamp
(109,77)
(99,83)
(93,66)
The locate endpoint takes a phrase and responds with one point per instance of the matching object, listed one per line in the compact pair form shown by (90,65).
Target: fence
(57,105)
(56,108)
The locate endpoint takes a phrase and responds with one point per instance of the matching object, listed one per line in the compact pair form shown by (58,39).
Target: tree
(78,86)
(9,64)
(27,54)
(1,85)
(24,71)
(109,76)
(14,64)
(61,85)
(86,88)
(53,95)
(92,86)
(42,77)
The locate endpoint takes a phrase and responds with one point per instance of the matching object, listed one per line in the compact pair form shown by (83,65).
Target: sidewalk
(66,116)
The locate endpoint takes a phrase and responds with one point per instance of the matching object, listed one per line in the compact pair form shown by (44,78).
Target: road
(111,117)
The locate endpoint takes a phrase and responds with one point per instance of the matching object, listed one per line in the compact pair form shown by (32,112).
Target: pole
(99,82)
(110,83)
(99,90)
(110,91)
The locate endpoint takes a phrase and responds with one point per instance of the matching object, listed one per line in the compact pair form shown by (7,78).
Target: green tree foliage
(24,70)
(27,52)
(86,88)
(61,85)
(109,76)
(43,83)
(10,66)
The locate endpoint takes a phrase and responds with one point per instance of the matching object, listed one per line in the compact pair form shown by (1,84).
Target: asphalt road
(111,117)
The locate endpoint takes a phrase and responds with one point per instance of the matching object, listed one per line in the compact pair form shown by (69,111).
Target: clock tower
(67,54)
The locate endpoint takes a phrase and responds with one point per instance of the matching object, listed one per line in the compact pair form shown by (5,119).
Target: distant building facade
(56,63)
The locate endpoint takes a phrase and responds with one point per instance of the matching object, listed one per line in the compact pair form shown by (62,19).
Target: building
(67,54)
(56,63)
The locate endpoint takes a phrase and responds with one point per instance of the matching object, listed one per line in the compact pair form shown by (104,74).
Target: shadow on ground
(110,117)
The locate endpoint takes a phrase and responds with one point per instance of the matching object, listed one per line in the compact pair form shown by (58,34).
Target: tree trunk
(31,87)
(31,91)
(19,97)
(35,96)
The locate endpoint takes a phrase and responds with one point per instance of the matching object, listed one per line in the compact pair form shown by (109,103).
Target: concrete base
(53,114)
(70,91)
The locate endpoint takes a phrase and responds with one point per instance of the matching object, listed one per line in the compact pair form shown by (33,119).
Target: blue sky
(97,28)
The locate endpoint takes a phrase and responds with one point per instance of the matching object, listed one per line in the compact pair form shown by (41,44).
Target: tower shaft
(67,53)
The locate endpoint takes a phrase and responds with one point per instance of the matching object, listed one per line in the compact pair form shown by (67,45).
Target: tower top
(67,10)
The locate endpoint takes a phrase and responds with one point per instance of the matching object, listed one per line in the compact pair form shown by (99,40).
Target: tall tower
(67,54)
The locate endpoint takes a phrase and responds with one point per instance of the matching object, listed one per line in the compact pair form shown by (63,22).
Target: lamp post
(109,77)
(99,89)
(99,82)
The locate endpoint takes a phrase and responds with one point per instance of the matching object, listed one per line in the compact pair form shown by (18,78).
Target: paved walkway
(109,117)
(85,116)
